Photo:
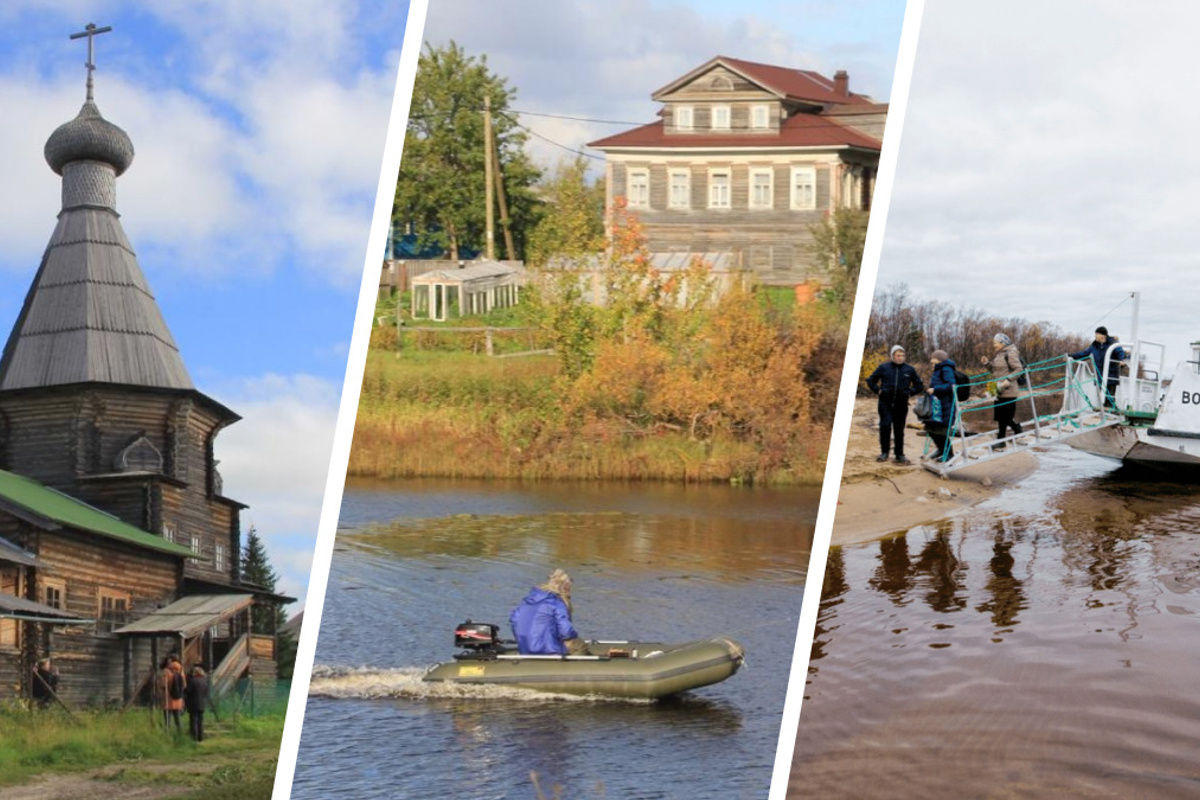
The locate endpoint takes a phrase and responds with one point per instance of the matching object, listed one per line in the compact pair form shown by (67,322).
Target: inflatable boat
(642,670)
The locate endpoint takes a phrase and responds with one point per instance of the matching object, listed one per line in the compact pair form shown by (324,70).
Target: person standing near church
(893,382)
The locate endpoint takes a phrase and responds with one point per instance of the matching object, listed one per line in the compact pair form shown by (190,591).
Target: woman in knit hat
(939,427)
(1006,367)
(542,621)
(893,382)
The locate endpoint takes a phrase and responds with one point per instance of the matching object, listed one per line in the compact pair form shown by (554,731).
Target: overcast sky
(603,60)
(259,130)
(1048,165)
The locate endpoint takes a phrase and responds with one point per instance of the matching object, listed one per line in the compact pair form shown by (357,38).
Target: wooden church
(118,545)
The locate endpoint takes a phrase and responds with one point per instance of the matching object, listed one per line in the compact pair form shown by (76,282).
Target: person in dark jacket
(195,698)
(45,683)
(542,621)
(1097,350)
(942,387)
(894,382)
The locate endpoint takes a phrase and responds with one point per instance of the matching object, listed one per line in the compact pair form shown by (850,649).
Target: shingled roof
(90,315)
(801,130)
(792,84)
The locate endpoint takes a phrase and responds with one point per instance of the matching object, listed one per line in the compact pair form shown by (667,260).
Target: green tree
(257,570)
(440,194)
(572,222)
(837,249)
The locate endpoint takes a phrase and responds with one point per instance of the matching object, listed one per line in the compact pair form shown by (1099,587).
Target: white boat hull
(1135,445)
(1172,440)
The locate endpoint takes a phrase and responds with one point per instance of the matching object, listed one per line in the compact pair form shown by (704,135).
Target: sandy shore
(877,499)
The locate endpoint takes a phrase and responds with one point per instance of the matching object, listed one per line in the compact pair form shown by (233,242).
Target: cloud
(276,460)
(1045,170)
(259,134)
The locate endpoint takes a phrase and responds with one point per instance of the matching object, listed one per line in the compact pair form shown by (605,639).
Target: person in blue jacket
(1097,350)
(542,621)
(942,386)
(894,382)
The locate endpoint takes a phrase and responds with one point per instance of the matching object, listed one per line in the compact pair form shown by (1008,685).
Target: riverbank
(458,415)
(877,499)
(49,756)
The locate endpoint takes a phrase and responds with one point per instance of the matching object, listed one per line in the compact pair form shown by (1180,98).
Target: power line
(575,119)
(532,132)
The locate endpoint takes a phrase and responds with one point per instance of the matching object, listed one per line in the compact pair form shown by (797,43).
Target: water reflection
(1048,651)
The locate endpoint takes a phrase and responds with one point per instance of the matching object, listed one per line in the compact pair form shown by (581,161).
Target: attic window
(721,83)
(720,118)
(140,456)
(684,118)
(760,116)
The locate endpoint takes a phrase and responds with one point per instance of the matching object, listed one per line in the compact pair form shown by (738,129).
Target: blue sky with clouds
(259,131)
(1047,168)
(603,60)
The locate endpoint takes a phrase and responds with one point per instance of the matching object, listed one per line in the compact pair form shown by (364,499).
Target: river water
(672,563)
(1045,644)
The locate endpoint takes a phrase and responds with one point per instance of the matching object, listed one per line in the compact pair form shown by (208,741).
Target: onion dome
(89,137)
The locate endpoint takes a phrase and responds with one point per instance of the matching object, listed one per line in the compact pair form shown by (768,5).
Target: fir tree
(257,570)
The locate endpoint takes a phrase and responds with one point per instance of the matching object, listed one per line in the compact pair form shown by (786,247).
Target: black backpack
(962,387)
(175,686)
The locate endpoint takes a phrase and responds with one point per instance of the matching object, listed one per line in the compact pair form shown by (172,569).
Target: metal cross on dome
(91,32)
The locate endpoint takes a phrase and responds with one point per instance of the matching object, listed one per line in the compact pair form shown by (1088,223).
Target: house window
(804,188)
(54,593)
(683,118)
(759,116)
(718,188)
(720,118)
(168,532)
(639,188)
(10,631)
(681,189)
(113,611)
(221,558)
(762,188)
(193,543)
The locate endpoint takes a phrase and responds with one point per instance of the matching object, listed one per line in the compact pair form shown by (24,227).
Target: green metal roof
(66,510)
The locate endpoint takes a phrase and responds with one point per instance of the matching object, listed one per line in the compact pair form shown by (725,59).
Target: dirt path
(105,782)
(881,498)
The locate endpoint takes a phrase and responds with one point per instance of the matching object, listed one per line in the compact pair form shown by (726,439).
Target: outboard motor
(480,638)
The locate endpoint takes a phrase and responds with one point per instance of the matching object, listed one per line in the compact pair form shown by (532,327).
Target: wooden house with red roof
(744,159)
(117,542)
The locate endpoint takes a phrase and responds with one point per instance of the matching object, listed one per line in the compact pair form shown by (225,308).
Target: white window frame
(683,113)
(194,544)
(728,114)
(684,202)
(769,201)
(714,201)
(760,117)
(220,557)
(798,201)
(637,200)
(168,532)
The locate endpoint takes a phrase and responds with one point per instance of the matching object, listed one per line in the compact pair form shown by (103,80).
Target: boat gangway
(1082,410)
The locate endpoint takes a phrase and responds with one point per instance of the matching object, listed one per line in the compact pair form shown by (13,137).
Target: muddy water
(415,558)
(1047,644)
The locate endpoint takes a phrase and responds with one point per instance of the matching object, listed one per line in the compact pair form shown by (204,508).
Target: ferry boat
(1159,420)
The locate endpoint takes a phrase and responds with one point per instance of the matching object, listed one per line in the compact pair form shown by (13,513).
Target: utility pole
(509,250)
(488,169)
